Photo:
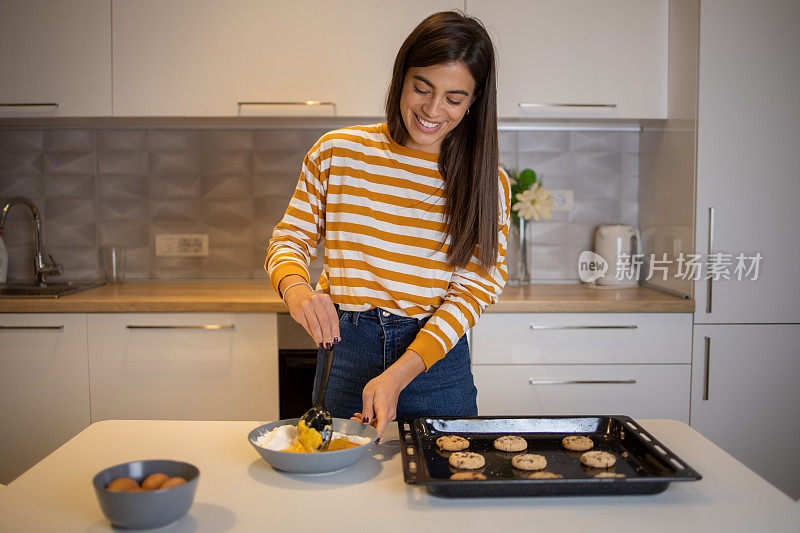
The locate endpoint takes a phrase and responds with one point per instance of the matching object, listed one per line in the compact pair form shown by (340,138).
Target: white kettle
(618,244)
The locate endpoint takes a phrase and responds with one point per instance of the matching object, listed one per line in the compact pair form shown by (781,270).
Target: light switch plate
(562,199)
(182,245)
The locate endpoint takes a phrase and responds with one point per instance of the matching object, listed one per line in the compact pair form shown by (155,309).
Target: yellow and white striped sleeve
(471,290)
(294,241)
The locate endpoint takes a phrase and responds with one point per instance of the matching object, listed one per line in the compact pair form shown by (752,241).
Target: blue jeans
(370,343)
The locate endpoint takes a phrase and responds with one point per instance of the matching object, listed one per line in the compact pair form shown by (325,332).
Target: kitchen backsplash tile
(227,140)
(185,186)
(121,209)
(69,162)
(121,186)
(69,186)
(173,140)
(22,141)
(130,162)
(227,187)
(27,186)
(69,140)
(22,163)
(111,140)
(96,187)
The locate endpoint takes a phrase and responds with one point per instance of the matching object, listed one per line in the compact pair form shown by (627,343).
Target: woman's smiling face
(433,102)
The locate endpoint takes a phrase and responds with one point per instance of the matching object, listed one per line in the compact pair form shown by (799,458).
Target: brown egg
(153,481)
(137,488)
(122,484)
(172,482)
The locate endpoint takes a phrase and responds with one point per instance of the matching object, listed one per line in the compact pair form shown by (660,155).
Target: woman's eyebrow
(427,81)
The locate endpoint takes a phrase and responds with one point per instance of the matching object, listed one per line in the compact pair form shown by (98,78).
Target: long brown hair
(468,158)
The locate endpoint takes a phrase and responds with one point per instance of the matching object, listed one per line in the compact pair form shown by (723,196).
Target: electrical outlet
(182,245)
(562,200)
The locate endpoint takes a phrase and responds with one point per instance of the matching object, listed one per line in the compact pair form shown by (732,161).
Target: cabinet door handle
(198,326)
(28,104)
(305,103)
(706,367)
(533,381)
(629,326)
(32,327)
(539,104)
(708,255)
(299,102)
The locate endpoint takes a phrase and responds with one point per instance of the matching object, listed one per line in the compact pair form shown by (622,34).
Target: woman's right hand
(312,310)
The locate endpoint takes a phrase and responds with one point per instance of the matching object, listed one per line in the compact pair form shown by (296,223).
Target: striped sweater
(380,207)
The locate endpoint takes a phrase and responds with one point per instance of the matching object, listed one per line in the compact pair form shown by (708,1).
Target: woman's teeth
(429,125)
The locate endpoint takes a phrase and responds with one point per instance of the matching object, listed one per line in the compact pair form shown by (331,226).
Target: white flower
(535,202)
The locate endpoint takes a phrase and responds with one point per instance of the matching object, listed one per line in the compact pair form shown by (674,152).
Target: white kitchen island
(240,492)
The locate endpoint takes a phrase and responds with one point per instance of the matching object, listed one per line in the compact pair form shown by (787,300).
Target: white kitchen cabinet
(637,364)
(55,52)
(201,58)
(746,399)
(44,386)
(748,158)
(580,52)
(187,366)
(588,338)
(639,391)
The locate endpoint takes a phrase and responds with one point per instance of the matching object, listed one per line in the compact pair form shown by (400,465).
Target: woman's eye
(420,91)
(453,102)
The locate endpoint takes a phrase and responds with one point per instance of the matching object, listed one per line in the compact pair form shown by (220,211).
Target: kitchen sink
(53,289)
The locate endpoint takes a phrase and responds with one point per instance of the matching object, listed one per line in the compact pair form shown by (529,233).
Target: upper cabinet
(188,58)
(55,53)
(265,57)
(607,59)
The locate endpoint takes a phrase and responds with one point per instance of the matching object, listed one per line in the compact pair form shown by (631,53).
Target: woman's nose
(432,106)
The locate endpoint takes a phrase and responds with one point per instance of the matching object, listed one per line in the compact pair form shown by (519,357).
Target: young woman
(414,213)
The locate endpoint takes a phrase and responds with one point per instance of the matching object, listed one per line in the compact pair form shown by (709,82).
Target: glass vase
(519,270)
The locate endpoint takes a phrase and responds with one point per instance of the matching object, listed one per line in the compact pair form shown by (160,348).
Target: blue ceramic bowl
(149,509)
(316,463)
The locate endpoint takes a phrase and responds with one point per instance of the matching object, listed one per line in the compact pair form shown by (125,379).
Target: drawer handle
(199,326)
(631,326)
(538,104)
(28,104)
(581,381)
(31,327)
(709,281)
(706,367)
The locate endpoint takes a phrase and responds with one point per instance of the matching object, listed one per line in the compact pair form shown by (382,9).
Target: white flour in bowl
(282,437)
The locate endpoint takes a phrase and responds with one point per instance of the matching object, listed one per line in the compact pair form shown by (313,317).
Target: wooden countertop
(579,298)
(257,296)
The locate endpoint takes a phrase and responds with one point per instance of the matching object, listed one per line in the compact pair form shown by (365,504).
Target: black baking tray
(648,465)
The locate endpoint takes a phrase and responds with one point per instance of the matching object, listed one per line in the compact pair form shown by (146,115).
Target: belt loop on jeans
(355,317)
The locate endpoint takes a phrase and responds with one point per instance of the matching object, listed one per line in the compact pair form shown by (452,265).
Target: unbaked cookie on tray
(577,443)
(598,459)
(545,475)
(529,461)
(467,460)
(467,476)
(510,443)
(609,474)
(452,443)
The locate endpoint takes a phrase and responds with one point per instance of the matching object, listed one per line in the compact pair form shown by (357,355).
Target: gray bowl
(149,509)
(316,463)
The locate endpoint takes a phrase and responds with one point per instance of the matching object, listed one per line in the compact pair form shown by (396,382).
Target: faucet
(41,268)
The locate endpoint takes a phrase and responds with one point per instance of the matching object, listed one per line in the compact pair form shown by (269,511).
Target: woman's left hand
(379,399)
